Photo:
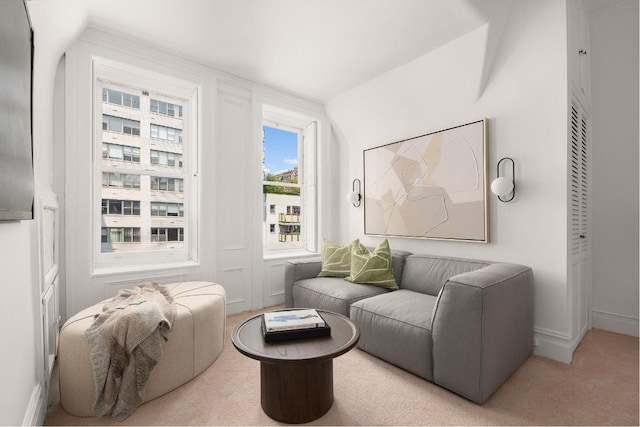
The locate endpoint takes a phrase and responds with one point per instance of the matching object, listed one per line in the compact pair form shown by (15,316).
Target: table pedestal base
(296,392)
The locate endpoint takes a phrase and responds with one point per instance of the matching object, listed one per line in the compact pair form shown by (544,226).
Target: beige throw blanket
(126,343)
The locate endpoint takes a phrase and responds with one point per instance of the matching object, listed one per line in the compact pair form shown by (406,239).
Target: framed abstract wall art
(432,186)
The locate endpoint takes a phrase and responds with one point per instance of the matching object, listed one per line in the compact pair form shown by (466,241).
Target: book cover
(293,334)
(292,320)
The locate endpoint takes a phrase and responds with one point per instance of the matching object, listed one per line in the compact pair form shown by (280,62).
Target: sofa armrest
(482,329)
(299,269)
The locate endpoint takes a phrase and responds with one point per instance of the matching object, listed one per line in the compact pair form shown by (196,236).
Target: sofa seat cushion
(331,293)
(396,327)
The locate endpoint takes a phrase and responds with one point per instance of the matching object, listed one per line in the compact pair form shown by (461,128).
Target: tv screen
(16,158)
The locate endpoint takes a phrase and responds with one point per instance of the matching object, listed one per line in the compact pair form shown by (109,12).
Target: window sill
(128,269)
(289,254)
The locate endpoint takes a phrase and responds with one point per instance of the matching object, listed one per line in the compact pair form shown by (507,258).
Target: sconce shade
(502,186)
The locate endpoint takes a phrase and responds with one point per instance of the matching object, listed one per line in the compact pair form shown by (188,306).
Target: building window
(272,228)
(160,183)
(167,234)
(293,210)
(120,180)
(120,207)
(272,209)
(121,125)
(120,152)
(167,209)
(166,108)
(113,96)
(166,158)
(166,133)
(120,235)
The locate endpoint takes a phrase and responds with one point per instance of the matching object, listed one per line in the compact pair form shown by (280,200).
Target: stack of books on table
(292,324)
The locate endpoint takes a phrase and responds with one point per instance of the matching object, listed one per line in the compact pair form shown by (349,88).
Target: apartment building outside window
(147,170)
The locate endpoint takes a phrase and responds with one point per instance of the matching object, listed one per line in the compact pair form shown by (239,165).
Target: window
(288,186)
(120,207)
(167,235)
(121,125)
(166,133)
(165,158)
(167,184)
(166,108)
(113,96)
(141,184)
(120,152)
(120,235)
(167,209)
(119,180)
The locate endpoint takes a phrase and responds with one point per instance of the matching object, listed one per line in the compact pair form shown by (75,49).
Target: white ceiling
(313,48)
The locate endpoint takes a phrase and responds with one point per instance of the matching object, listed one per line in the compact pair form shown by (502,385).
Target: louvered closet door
(579,205)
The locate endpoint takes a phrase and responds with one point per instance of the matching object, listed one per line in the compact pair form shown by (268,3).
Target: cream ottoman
(195,342)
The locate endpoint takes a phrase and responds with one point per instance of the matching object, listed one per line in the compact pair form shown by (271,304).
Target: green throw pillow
(372,268)
(336,259)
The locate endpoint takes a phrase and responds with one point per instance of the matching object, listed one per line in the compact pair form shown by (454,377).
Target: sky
(280,150)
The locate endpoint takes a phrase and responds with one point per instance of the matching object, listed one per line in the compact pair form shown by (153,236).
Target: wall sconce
(354,196)
(503,186)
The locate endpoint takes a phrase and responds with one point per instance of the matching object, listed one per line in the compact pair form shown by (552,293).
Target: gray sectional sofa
(463,324)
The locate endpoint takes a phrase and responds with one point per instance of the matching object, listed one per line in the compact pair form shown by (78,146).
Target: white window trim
(292,121)
(112,71)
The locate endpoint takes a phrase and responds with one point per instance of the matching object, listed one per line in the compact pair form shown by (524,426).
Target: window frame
(308,167)
(106,73)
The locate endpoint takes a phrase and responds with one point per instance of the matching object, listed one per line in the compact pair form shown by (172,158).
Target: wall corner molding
(553,344)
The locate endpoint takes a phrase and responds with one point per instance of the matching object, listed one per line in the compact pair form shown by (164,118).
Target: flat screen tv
(16,149)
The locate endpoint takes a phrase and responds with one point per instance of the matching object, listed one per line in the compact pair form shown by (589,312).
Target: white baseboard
(615,323)
(553,344)
(36,411)
(560,346)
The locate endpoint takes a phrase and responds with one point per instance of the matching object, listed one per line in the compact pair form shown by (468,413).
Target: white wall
(17,315)
(525,100)
(23,394)
(614,76)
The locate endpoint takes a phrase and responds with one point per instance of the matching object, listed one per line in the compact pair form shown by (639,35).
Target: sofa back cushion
(428,274)
(398,258)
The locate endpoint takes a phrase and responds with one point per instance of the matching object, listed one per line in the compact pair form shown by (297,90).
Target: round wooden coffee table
(296,376)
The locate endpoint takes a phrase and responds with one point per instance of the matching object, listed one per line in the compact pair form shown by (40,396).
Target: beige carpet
(600,387)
